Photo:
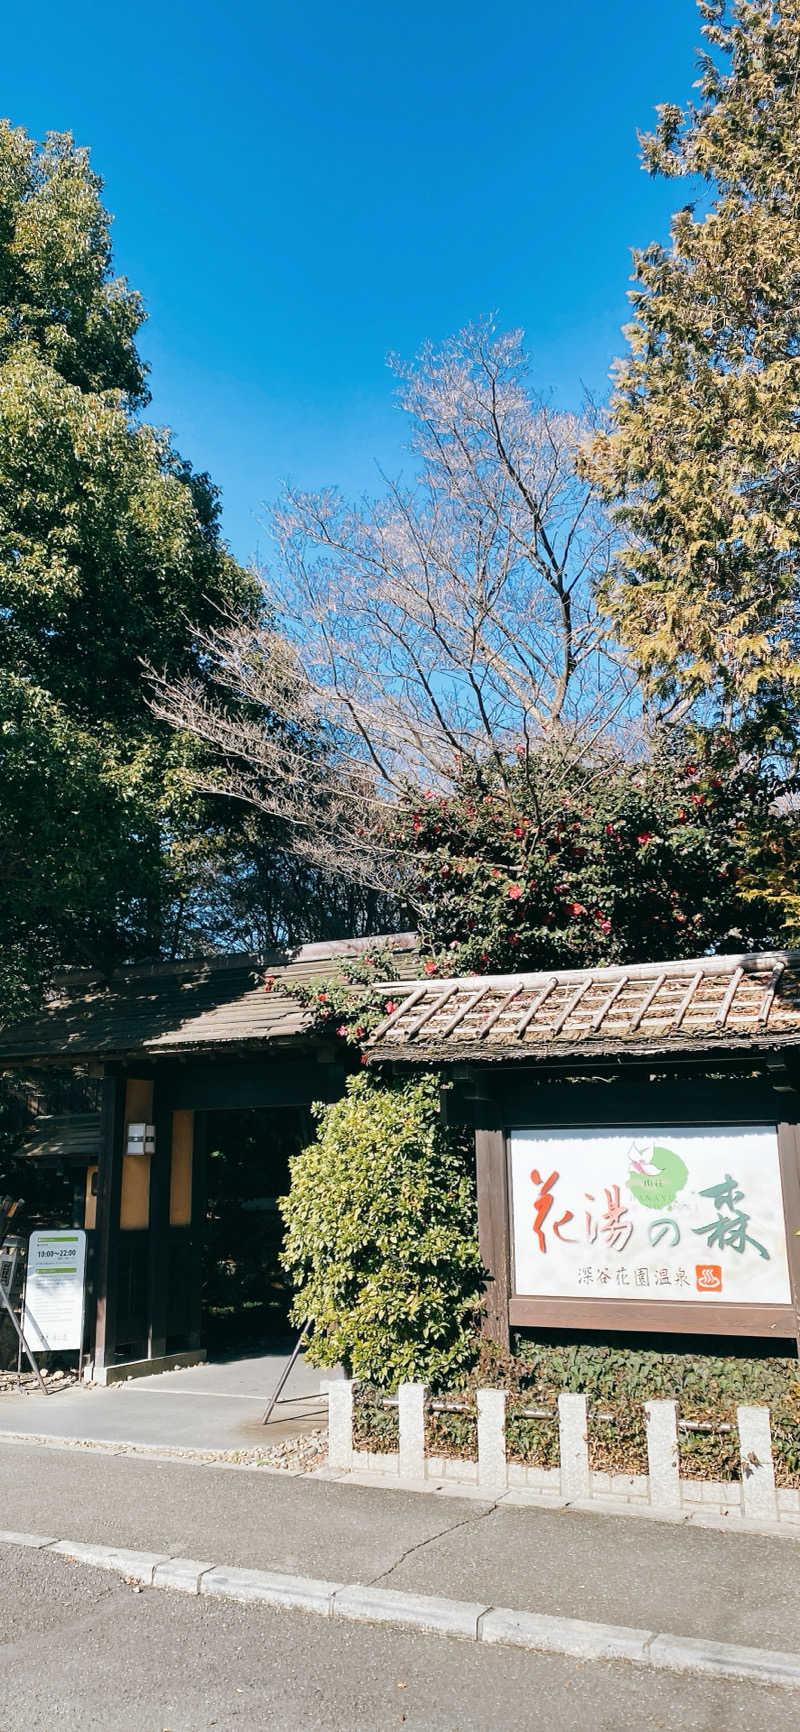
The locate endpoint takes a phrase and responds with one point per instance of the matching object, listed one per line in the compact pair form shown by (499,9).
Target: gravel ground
(303,1454)
(27,1384)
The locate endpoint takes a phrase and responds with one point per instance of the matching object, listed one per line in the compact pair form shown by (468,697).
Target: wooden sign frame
(505,1307)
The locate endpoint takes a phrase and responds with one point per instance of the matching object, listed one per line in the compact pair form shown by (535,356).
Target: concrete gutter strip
(496,1625)
(573,1636)
(421,1611)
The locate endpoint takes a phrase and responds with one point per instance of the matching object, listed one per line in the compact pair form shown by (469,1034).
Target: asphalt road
(82,1651)
(615,1569)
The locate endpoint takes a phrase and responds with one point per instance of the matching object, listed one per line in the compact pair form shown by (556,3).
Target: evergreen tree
(110,553)
(703,453)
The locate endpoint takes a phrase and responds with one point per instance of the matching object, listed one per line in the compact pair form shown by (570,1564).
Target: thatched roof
(705,1005)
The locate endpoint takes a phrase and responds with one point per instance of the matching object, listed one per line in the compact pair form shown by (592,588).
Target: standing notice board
(54,1291)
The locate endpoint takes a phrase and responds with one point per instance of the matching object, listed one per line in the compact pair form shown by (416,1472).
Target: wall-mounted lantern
(141,1140)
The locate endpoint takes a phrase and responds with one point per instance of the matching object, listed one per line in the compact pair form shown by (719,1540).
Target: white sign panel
(54,1286)
(653,1214)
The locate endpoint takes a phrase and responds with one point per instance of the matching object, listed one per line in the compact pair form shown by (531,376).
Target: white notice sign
(654,1213)
(54,1288)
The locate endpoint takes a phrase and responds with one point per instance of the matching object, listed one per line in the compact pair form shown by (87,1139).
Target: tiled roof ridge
(268,962)
(713,964)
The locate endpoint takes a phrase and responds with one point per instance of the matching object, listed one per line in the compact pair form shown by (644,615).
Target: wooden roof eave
(617,1051)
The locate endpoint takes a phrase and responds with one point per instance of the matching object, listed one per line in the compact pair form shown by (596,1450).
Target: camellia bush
(622,863)
(381,1237)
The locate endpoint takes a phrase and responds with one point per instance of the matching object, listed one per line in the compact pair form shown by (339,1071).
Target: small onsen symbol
(709,1277)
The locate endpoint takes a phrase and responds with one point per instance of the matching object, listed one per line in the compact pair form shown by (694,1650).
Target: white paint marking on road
(498,1625)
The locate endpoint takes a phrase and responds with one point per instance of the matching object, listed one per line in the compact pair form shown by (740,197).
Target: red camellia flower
(575,908)
(646,836)
(390,1006)
(513,938)
(322,997)
(430,968)
(517,830)
(342,1029)
(514,892)
(604,923)
(269,983)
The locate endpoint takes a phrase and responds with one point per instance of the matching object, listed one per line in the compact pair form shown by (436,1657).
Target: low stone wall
(663,1488)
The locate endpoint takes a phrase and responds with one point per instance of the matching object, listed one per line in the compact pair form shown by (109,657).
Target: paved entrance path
(215,1406)
(618,1570)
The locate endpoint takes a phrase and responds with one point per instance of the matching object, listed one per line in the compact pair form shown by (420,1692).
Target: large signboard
(656,1214)
(54,1291)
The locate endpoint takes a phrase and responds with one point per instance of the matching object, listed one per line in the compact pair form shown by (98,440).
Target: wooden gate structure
(170,1045)
(637,1135)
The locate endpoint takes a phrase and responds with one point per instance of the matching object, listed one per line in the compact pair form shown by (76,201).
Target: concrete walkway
(717,1587)
(218,1406)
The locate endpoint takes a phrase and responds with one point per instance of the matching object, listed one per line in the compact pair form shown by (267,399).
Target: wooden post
(199,1188)
(789,1156)
(158,1262)
(491,1169)
(109,1190)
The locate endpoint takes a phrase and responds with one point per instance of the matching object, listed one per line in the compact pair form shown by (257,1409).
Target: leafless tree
(449,626)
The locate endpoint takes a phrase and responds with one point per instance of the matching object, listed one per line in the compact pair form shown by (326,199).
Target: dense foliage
(626,864)
(109,551)
(381,1239)
(703,453)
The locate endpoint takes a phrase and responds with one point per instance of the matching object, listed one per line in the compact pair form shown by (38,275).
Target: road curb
(495,1625)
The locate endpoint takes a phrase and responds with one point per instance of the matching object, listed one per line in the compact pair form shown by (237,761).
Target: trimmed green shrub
(381,1237)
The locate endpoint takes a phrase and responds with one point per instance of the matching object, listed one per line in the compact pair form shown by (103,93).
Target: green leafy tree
(703,452)
(381,1237)
(110,554)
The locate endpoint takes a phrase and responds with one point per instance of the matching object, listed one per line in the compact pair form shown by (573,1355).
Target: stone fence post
(573,1446)
(662,1454)
(411,1419)
(759,1501)
(492,1469)
(340,1422)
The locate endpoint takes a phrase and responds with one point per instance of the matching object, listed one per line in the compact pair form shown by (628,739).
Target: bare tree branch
(445,626)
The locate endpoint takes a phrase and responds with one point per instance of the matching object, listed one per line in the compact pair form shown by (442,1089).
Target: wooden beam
(789,1157)
(672,1317)
(491,1168)
(158,1247)
(198,1230)
(109,1190)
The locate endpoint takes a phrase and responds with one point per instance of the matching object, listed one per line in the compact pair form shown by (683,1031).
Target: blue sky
(298,190)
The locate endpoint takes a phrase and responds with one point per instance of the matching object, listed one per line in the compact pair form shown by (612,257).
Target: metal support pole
(5,1299)
(286,1373)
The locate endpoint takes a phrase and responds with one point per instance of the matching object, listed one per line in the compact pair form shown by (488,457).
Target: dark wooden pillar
(789,1155)
(109,1187)
(158,1259)
(199,1205)
(491,1171)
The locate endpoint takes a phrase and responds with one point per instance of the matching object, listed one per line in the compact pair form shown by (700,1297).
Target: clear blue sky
(298,189)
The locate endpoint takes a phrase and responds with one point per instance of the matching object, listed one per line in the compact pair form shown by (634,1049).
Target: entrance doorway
(246,1296)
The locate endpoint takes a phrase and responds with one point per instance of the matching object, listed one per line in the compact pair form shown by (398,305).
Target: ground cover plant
(617,1382)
